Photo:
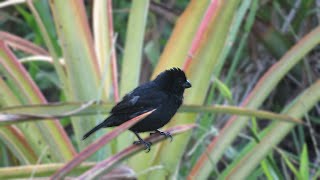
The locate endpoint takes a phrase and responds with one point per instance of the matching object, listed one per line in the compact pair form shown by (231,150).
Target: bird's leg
(141,141)
(166,134)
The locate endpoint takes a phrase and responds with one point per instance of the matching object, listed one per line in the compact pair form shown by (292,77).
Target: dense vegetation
(253,110)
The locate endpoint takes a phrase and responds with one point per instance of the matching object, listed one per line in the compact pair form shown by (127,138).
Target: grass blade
(106,165)
(88,151)
(41,170)
(77,44)
(42,134)
(274,134)
(254,100)
(19,114)
(22,44)
(18,145)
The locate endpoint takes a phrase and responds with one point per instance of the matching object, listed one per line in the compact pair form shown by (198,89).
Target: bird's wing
(140,100)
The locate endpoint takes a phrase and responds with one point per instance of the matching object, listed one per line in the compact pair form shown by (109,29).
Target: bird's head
(173,80)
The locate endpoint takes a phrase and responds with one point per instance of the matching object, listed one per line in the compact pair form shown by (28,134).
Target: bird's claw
(166,134)
(146,144)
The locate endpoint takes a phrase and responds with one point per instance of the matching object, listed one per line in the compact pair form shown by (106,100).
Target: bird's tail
(99,126)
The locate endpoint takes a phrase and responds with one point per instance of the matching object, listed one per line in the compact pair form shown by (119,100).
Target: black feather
(164,93)
(96,128)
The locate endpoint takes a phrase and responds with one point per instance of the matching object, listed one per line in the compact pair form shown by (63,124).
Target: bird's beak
(187,84)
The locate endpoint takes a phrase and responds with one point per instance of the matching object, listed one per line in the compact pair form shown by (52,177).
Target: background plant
(251,54)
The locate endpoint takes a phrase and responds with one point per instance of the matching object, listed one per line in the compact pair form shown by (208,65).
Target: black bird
(164,93)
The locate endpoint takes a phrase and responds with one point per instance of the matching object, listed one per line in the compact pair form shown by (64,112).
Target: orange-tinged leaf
(22,44)
(106,165)
(88,151)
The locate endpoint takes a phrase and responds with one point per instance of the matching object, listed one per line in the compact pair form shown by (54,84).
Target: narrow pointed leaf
(304,162)
(39,170)
(106,165)
(260,92)
(22,44)
(274,134)
(37,112)
(42,134)
(80,58)
(94,147)
(199,71)
(18,145)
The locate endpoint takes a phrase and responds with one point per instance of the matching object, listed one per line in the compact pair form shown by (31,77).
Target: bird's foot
(166,134)
(146,144)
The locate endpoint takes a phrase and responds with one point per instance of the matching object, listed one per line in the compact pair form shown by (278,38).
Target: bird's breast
(170,107)
(161,116)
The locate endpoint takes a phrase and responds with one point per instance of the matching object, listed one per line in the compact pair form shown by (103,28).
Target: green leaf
(291,166)
(95,146)
(39,170)
(44,111)
(256,97)
(132,57)
(39,134)
(81,61)
(274,134)
(223,89)
(304,163)
(106,165)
